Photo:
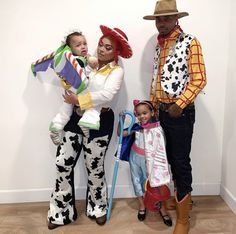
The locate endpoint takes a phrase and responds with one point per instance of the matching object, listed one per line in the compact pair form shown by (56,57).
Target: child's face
(143,113)
(78,45)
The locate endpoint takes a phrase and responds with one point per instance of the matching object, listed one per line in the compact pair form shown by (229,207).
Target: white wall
(228,185)
(31,29)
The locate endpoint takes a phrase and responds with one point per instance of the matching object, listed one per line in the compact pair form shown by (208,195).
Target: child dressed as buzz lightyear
(72,64)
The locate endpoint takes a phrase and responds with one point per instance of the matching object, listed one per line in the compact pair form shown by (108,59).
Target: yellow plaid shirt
(196,69)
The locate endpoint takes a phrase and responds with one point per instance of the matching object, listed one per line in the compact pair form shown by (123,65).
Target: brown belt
(165,106)
(104,109)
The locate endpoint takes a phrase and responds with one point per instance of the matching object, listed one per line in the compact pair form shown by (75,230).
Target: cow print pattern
(94,155)
(62,203)
(175,75)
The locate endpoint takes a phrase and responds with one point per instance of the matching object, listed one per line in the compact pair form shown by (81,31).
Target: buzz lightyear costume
(74,76)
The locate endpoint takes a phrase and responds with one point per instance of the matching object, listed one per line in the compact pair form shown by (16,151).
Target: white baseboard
(228,197)
(24,195)
(121,191)
(206,189)
(32,195)
(40,195)
(202,189)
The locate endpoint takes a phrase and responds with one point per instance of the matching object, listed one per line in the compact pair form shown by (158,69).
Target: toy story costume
(73,72)
(146,146)
(178,77)
(103,85)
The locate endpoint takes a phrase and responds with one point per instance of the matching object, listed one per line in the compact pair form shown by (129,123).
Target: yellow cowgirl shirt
(102,87)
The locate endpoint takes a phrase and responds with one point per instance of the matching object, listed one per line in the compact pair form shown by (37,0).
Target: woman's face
(105,50)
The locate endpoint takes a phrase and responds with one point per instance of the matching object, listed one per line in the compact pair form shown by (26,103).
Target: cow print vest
(174,75)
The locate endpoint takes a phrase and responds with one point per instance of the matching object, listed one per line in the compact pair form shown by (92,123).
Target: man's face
(165,24)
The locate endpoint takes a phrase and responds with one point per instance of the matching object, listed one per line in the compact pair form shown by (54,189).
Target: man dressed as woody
(178,77)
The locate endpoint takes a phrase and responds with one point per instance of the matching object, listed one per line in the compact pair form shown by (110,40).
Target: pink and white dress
(155,153)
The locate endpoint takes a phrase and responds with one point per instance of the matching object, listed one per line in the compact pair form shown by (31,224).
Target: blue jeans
(138,172)
(178,132)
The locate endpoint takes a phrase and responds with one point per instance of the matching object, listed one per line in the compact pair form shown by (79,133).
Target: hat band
(121,36)
(169,11)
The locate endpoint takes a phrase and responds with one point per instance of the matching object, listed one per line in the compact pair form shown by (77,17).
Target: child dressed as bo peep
(148,133)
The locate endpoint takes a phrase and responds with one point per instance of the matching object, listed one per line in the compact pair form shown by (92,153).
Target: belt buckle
(105,109)
(163,106)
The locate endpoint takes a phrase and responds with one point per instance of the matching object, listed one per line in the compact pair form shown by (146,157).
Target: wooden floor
(210,214)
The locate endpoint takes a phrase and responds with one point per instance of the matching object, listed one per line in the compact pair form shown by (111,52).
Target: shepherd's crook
(123,113)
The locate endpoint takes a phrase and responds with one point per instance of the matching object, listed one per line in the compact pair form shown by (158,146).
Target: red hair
(117,47)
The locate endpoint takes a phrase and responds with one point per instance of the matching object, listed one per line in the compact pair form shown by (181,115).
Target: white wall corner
(228,197)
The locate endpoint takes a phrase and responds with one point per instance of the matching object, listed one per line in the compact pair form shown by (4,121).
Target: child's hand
(122,113)
(55,137)
(92,61)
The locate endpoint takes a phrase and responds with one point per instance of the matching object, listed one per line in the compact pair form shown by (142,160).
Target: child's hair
(143,102)
(68,38)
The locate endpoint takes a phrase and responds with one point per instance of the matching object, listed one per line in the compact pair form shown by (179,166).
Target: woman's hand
(70,97)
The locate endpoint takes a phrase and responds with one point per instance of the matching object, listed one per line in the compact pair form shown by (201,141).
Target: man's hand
(174,111)
(70,97)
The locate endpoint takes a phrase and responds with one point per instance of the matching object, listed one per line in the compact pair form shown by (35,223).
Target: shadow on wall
(205,152)
(37,153)
(146,67)
(34,147)
(119,104)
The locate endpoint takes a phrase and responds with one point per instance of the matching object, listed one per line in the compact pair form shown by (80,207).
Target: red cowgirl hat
(126,51)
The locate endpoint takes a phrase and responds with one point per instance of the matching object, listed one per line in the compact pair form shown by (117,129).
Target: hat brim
(153,17)
(126,51)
